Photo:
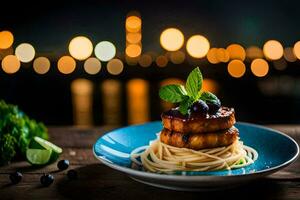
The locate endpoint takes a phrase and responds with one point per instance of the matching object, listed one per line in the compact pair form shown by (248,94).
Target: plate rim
(152,175)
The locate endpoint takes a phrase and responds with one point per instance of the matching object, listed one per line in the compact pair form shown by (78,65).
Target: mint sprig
(189,94)
(172,93)
(209,97)
(194,83)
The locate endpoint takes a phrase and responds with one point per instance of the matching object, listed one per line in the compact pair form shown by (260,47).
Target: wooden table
(97,181)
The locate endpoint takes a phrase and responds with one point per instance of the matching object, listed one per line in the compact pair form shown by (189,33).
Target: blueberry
(72,174)
(185,138)
(63,164)
(46,180)
(213,107)
(199,107)
(15,177)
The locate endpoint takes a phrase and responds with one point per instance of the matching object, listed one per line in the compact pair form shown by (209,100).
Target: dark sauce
(174,113)
(186,137)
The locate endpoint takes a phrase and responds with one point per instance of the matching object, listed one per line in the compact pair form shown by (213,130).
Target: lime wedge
(40,143)
(38,156)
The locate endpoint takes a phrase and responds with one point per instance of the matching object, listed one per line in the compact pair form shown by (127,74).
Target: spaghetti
(162,158)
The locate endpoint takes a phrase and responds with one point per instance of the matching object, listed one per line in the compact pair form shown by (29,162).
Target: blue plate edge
(172,176)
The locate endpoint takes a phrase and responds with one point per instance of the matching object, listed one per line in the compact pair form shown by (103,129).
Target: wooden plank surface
(97,181)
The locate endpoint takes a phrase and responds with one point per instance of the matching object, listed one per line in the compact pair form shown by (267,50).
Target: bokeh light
(297,49)
(210,85)
(25,52)
(177,57)
(222,55)
(133,50)
(289,55)
(115,66)
(161,61)
(171,39)
(170,81)
(259,67)
(138,101)
(273,50)
(212,56)
(131,61)
(133,23)
(10,64)
(6,39)
(133,38)
(66,64)
(81,48)
(41,65)
(82,101)
(280,64)
(236,51)
(112,99)
(105,51)
(197,46)
(145,60)
(253,52)
(236,68)
(92,66)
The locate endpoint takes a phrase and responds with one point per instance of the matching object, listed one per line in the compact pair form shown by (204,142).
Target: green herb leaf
(172,93)
(209,97)
(184,105)
(194,83)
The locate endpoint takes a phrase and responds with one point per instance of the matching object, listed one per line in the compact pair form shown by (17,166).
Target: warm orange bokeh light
(177,57)
(138,101)
(6,39)
(210,85)
(254,52)
(66,64)
(133,38)
(82,100)
(171,39)
(11,64)
(236,68)
(280,64)
(273,50)
(236,51)
(289,54)
(133,24)
(212,56)
(161,61)
(92,66)
(115,66)
(222,55)
(133,50)
(297,49)
(197,46)
(145,60)
(41,65)
(259,67)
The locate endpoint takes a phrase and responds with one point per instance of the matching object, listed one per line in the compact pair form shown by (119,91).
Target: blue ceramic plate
(276,150)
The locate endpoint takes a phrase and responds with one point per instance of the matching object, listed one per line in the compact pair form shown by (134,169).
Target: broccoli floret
(16,131)
(8,145)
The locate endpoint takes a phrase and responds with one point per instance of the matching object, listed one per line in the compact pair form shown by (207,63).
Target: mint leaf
(172,93)
(184,105)
(194,83)
(209,97)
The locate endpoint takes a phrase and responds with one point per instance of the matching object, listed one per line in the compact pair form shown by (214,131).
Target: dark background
(50,25)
